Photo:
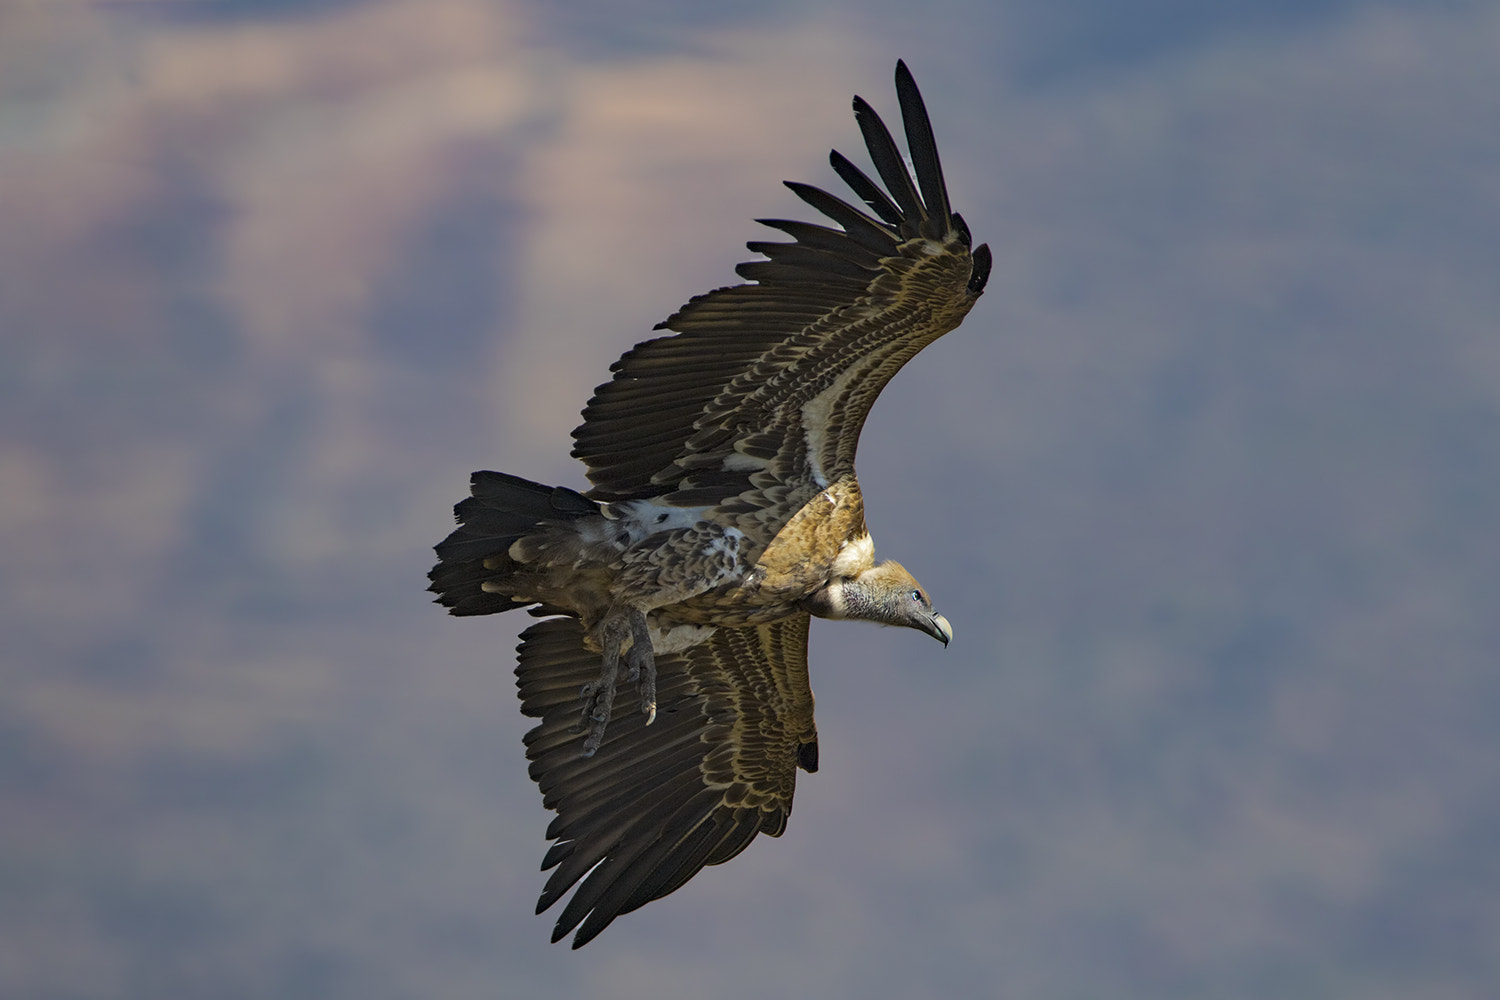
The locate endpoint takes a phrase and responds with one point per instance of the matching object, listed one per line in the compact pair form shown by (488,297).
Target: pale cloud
(642,194)
(320,138)
(342,131)
(1220,701)
(300,152)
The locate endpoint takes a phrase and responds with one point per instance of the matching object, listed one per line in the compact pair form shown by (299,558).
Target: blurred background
(1208,483)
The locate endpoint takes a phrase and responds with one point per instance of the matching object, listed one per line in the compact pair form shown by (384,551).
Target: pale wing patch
(738,461)
(816,415)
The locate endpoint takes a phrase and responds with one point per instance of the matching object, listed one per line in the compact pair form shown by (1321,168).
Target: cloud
(640,195)
(1213,461)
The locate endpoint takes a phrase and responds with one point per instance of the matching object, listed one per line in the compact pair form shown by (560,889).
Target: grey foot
(599,695)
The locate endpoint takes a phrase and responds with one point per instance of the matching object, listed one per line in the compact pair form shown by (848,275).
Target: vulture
(723,515)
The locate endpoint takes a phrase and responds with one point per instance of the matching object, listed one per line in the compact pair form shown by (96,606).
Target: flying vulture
(724,514)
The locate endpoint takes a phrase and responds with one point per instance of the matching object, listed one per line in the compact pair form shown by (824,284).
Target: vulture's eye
(916,595)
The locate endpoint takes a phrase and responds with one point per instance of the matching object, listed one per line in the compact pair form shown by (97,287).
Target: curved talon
(642,661)
(647,689)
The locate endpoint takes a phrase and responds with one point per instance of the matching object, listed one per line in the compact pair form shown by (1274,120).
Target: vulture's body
(724,513)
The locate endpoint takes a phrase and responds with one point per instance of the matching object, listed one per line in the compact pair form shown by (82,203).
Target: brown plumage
(724,512)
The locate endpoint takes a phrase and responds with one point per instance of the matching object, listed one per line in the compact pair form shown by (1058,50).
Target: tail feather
(501,510)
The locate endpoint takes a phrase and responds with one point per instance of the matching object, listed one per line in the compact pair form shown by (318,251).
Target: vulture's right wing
(657,803)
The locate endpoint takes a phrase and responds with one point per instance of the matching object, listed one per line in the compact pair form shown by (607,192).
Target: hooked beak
(937,626)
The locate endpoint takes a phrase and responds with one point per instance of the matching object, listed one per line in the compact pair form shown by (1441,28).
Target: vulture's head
(887,594)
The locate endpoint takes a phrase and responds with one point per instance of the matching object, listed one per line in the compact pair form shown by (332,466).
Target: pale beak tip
(942,631)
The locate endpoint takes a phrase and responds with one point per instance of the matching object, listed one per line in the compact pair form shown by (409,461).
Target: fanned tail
(501,510)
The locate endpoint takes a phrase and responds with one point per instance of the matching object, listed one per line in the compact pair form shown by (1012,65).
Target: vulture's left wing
(734,721)
(766,385)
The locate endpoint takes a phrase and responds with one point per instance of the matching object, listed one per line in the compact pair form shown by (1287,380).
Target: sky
(1208,484)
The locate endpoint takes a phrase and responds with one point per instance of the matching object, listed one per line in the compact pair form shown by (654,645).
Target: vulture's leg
(599,695)
(642,663)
